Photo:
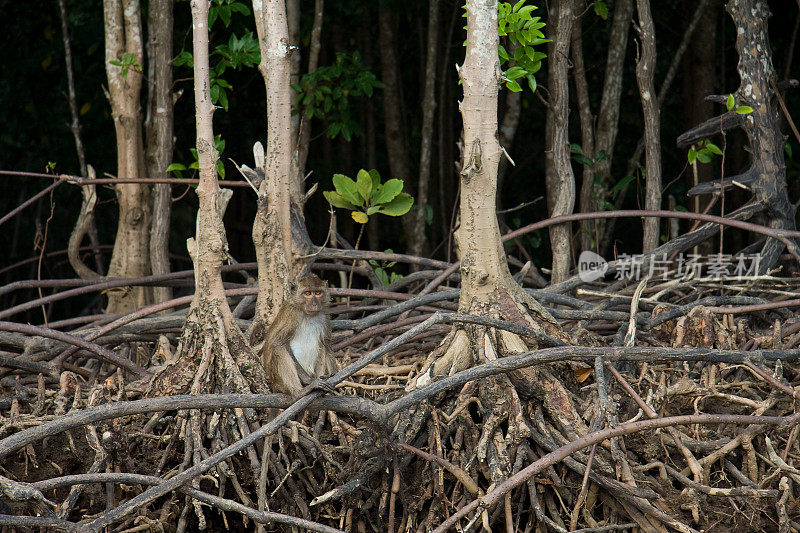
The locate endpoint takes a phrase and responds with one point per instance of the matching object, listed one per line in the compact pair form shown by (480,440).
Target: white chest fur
(305,344)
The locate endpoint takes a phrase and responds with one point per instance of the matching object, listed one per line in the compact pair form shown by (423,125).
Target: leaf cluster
(127,61)
(741,109)
(179,168)
(522,32)
(381,269)
(704,153)
(237,53)
(326,93)
(366,195)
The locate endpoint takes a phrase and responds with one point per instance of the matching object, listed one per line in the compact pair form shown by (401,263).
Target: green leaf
(241,8)
(184,59)
(744,109)
(381,275)
(729,102)
(400,205)
(336,200)
(176,166)
(575,148)
(601,156)
(713,148)
(513,86)
(346,187)
(376,180)
(359,216)
(517,6)
(221,168)
(373,209)
(601,9)
(583,160)
(691,156)
(388,191)
(364,184)
(515,72)
(502,53)
(704,156)
(788,149)
(621,185)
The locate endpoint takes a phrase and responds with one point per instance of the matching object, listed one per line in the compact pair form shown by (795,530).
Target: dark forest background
(36,132)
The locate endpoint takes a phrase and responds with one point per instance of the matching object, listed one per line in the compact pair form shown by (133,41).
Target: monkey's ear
(292,286)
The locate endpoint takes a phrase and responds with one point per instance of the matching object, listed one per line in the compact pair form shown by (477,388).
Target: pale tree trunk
(131,255)
(158,134)
(295,60)
(426,143)
(487,288)
(645,66)
(213,355)
(559,177)
(272,227)
(588,200)
(483,260)
(210,244)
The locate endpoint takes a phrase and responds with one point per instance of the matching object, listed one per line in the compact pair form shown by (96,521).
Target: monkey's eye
(307,293)
(318,293)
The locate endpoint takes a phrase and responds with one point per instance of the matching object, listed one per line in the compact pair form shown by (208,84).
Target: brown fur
(305,306)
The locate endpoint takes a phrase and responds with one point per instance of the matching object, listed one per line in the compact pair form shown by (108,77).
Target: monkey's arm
(281,370)
(326,363)
(278,361)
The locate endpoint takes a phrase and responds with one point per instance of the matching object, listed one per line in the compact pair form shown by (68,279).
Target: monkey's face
(313,301)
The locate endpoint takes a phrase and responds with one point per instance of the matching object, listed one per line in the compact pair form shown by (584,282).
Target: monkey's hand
(319,384)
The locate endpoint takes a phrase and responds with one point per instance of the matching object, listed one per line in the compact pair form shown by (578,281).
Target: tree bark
(210,244)
(212,355)
(645,67)
(159,133)
(131,255)
(608,114)
(762,125)
(559,178)
(588,194)
(295,61)
(272,226)
(483,261)
(608,226)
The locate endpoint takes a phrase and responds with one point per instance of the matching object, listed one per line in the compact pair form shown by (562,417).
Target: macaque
(297,344)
